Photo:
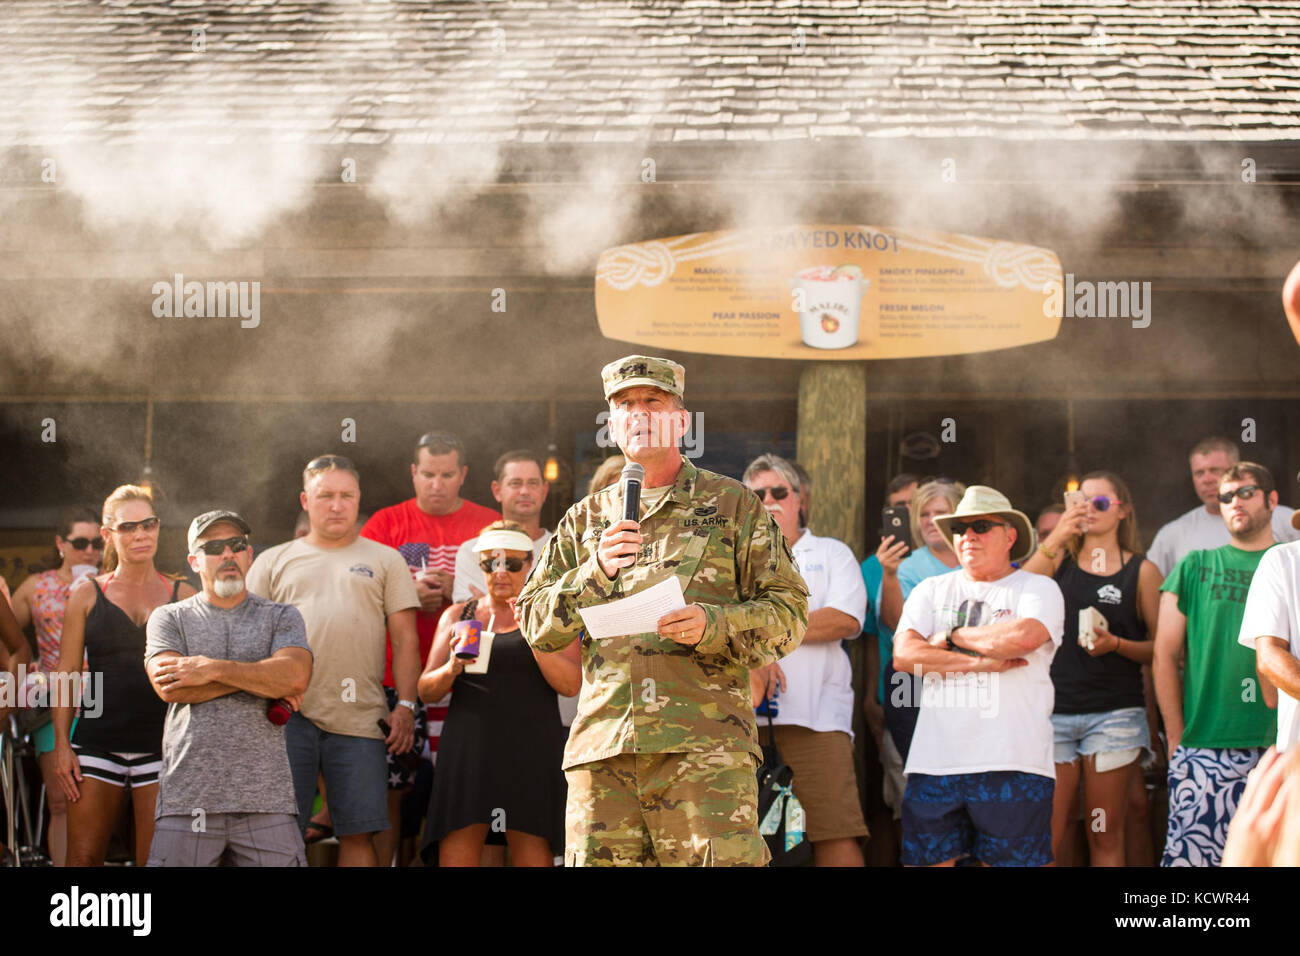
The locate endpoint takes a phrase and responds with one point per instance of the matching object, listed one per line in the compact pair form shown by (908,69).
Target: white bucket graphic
(828,318)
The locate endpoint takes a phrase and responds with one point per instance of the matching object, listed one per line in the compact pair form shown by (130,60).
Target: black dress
(501,750)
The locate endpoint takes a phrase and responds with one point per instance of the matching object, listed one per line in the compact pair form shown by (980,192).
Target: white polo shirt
(1272,610)
(819,679)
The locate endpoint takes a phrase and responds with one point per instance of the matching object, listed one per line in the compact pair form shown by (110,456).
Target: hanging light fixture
(551,471)
(146,479)
(1070,480)
(1072,464)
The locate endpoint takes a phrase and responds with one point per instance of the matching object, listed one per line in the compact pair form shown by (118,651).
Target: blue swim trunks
(1000,818)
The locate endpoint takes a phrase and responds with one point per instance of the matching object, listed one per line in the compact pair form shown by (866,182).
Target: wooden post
(832,446)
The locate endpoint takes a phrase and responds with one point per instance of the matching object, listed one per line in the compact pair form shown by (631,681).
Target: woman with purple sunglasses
(1102,719)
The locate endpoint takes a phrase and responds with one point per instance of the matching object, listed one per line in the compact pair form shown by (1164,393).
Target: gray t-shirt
(223,755)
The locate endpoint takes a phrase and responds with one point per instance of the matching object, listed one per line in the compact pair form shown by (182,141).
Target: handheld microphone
(630,480)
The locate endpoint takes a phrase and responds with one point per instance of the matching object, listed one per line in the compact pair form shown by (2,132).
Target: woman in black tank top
(1101,696)
(118,741)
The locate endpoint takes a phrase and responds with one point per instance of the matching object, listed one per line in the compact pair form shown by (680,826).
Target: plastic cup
(469,633)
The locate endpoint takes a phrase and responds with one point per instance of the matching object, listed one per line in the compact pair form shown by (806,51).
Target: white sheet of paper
(637,614)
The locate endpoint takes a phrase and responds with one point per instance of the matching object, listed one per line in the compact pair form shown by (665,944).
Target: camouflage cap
(633,370)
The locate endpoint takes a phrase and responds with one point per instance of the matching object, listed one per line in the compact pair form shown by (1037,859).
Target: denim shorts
(356,777)
(1111,731)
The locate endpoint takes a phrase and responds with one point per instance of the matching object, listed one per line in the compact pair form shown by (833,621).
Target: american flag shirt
(427,541)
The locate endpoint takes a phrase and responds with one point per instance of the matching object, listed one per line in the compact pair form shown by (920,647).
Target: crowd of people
(426,672)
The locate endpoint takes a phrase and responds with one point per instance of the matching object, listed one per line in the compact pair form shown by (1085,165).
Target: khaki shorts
(824,779)
(676,809)
(227,839)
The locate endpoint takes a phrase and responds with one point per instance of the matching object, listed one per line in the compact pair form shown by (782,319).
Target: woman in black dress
(500,754)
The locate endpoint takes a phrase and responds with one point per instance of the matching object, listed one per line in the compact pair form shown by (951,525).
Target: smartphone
(1073,498)
(897,521)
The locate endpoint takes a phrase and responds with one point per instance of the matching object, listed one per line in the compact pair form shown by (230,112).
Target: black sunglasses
(512,564)
(331,461)
(145,524)
(217,546)
(982,526)
(1245,493)
(779,493)
(81,544)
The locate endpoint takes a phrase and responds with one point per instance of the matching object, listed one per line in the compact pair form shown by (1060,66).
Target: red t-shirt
(432,539)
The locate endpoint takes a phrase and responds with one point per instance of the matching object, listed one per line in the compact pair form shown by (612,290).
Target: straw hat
(983,500)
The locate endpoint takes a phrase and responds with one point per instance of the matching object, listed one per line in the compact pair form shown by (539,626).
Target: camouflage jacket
(643,693)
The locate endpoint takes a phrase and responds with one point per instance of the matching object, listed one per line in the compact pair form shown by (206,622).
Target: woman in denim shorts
(1100,716)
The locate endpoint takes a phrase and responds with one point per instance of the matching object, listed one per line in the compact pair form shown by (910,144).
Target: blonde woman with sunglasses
(1101,717)
(117,745)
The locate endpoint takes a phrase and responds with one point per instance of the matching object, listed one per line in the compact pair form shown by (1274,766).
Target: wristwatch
(409,704)
(947,636)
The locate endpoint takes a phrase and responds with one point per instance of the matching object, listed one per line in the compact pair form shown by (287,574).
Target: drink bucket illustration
(829,301)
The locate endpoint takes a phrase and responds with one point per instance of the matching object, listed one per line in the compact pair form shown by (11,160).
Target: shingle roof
(566,71)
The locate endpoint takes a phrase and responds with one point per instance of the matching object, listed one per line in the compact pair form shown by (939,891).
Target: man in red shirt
(427,530)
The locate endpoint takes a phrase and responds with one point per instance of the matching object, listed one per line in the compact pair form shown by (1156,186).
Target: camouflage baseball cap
(633,370)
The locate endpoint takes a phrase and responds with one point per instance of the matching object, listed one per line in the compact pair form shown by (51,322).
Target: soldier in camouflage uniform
(661,759)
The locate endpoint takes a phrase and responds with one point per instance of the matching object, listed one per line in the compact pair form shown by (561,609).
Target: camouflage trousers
(674,809)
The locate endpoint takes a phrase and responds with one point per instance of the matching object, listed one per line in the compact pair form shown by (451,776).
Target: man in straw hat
(980,775)
(662,756)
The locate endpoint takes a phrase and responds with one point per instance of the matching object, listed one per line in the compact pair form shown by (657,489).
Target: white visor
(504,540)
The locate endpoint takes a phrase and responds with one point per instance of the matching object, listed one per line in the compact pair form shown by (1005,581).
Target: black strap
(176,589)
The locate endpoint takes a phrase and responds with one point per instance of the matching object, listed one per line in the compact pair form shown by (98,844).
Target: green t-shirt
(1222,703)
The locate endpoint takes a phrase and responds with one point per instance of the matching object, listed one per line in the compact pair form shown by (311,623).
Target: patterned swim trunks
(1205,786)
